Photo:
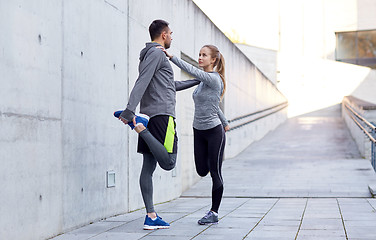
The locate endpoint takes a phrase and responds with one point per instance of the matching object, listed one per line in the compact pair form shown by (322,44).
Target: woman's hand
(165,51)
(227,128)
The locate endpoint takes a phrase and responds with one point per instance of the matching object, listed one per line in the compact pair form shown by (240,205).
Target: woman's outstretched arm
(209,78)
(182,85)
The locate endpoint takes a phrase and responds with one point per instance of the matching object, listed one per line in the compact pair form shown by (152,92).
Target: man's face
(167,38)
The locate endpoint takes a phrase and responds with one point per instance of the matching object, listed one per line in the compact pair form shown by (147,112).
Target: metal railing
(277,108)
(367,127)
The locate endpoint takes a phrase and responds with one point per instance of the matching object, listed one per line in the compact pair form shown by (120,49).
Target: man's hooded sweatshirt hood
(147,48)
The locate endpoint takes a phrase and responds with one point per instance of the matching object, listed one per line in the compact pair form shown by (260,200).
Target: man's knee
(169,163)
(168,167)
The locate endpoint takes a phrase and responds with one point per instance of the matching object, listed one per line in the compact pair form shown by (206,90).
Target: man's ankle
(152,215)
(139,128)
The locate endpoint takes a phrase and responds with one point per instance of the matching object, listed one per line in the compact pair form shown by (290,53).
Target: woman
(209,124)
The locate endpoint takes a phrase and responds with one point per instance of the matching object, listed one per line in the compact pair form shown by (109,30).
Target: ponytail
(220,68)
(219,65)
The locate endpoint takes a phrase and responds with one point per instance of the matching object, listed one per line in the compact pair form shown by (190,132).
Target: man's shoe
(140,119)
(210,218)
(158,223)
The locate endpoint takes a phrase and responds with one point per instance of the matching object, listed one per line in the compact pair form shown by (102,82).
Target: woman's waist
(205,122)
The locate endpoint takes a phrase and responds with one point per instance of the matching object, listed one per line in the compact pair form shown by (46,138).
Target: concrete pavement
(305,180)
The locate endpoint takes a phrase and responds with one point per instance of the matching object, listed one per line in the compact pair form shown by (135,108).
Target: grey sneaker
(209,218)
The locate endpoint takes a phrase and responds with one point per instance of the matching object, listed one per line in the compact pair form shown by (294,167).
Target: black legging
(208,148)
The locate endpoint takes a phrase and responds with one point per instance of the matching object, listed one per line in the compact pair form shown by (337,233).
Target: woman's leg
(216,145)
(200,145)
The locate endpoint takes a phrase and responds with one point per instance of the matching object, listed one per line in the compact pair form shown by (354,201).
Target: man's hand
(227,128)
(126,122)
(123,120)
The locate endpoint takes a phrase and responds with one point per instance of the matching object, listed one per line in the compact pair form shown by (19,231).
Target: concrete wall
(66,66)
(366,88)
(30,120)
(94,68)
(264,59)
(63,65)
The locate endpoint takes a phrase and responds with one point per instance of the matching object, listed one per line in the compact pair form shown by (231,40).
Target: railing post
(373,149)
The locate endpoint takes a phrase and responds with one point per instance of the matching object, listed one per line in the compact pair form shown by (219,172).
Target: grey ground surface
(305,180)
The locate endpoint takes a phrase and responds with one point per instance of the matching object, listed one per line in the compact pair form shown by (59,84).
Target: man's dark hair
(156,28)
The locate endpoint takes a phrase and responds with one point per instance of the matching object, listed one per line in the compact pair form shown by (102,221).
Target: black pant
(208,149)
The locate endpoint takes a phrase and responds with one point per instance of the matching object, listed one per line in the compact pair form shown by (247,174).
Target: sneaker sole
(207,223)
(147,227)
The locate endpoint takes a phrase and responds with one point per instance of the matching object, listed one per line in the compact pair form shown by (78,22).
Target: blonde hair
(219,64)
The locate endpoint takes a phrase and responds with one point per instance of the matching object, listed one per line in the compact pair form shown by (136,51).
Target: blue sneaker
(117,113)
(140,119)
(158,223)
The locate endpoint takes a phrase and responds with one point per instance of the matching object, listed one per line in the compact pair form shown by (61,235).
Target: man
(155,90)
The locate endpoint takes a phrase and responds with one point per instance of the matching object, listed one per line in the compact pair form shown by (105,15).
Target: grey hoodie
(155,86)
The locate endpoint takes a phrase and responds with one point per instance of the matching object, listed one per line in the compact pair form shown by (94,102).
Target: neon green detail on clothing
(170,135)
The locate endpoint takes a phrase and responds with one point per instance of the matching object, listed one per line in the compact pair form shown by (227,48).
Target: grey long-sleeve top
(206,96)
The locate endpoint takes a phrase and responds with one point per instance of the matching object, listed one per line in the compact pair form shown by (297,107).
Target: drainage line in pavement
(301,220)
(374,210)
(191,213)
(259,197)
(219,219)
(261,219)
(343,221)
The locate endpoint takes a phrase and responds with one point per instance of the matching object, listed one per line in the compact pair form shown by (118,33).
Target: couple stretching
(155,90)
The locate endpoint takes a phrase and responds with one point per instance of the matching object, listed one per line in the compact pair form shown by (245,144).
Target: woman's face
(204,58)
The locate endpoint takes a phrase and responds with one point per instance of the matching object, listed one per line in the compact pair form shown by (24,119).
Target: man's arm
(147,69)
